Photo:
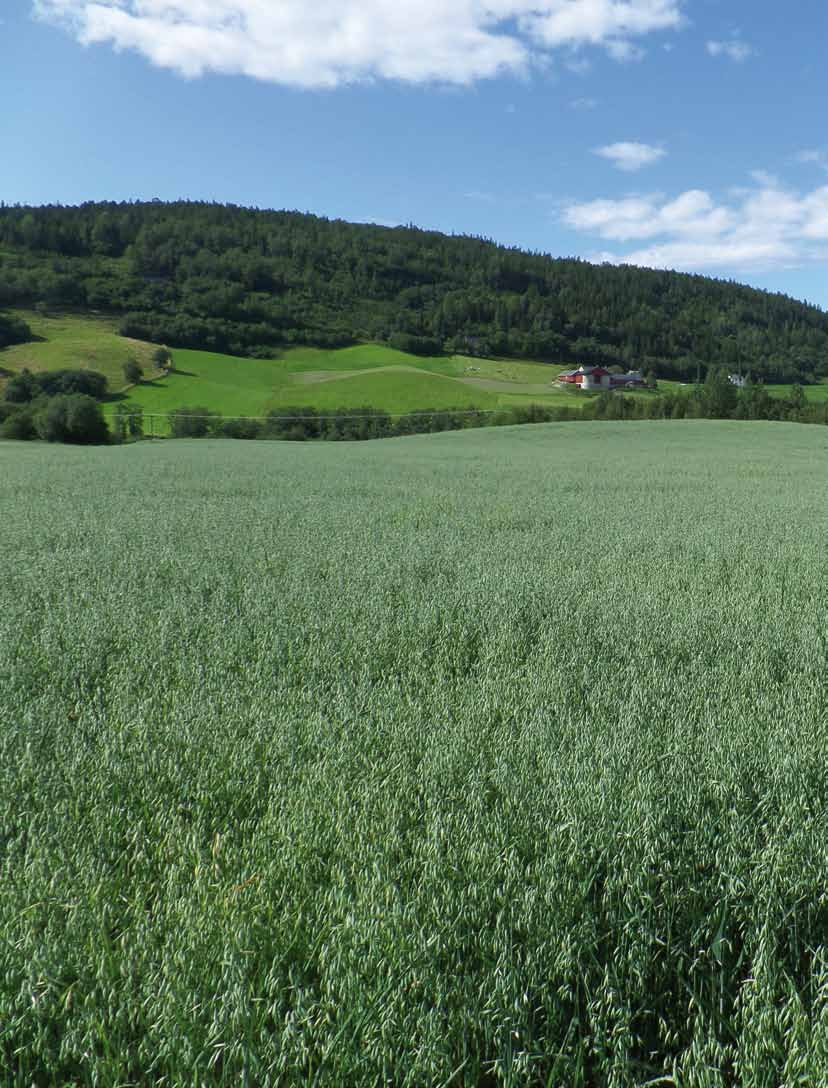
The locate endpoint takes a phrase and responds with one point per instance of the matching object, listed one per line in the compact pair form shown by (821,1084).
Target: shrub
(240,428)
(128,420)
(293,423)
(21,388)
(88,382)
(192,422)
(18,426)
(75,419)
(132,371)
(415,345)
(13,330)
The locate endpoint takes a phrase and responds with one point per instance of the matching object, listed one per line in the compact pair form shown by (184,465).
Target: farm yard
(486,758)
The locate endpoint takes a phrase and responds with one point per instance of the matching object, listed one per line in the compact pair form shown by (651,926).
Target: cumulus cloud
(330,42)
(734,49)
(630,156)
(762,226)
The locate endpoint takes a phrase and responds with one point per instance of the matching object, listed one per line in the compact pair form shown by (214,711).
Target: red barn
(596,377)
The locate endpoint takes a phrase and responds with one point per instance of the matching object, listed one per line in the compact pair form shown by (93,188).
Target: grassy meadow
(484,758)
(367,375)
(76,342)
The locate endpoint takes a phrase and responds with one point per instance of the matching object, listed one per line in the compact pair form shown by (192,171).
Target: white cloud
(330,42)
(762,226)
(734,49)
(630,156)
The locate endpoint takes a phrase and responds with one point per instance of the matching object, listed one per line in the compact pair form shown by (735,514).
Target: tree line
(248,282)
(716,398)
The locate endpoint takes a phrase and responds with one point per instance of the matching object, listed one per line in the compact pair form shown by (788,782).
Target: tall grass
(484,758)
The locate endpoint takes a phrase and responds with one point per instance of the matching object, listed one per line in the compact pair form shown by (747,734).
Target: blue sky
(687,134)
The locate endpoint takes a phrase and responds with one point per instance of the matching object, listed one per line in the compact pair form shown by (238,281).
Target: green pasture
(426,762)
(364,376)
(76,342)
(816,394)
(367,375)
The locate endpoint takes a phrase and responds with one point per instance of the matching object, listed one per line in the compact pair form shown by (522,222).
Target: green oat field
(485,758)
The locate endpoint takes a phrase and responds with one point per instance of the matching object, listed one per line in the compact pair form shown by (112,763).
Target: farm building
(596,377)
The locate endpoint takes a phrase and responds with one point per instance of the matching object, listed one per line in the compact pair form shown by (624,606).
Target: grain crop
(486,758)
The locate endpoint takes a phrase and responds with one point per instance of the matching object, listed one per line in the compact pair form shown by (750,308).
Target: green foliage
(13,330)
(415,345)
(720,396)
(19,425)
(241,281)
(127,422)
(162,357)
(192,421)
(240,428)
(86,382)
(72,418)
(493,758)
(135,423)
(132,371)
(26,386)
(21,388)
(754,402)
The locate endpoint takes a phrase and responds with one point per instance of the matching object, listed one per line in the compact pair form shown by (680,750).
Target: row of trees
(76,418)
(717,398)
(244,281)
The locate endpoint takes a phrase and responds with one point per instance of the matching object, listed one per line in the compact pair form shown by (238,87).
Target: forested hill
(243,281)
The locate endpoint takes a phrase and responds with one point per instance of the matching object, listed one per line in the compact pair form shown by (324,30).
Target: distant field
(368,375)
(818,394)
(493,759)
(71,341)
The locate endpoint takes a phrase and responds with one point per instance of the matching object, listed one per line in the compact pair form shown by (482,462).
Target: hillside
(75,342)
(244,282)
